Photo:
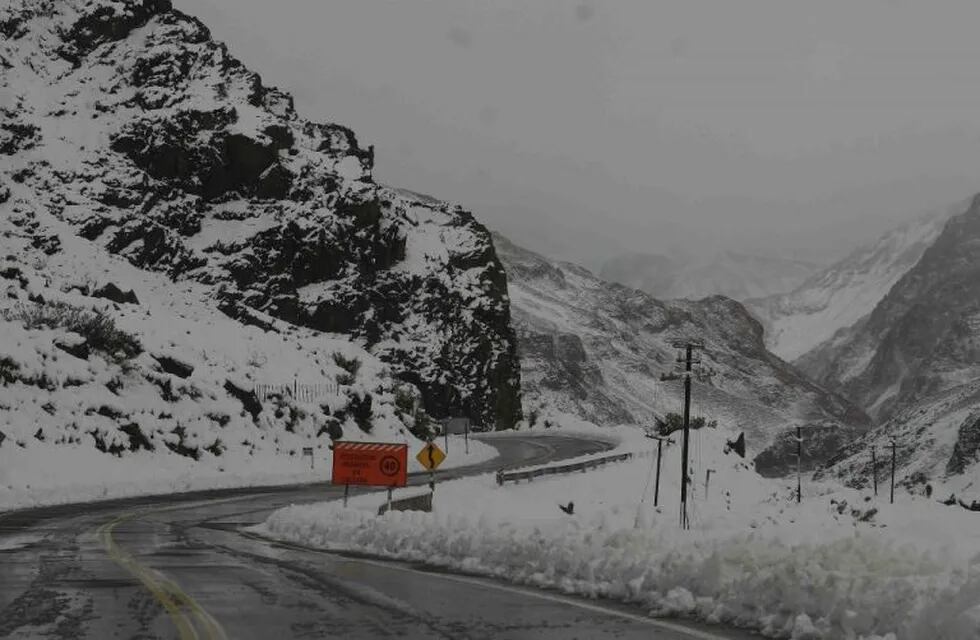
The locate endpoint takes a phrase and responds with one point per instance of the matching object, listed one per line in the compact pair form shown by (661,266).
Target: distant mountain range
(735,275)
(922,338)
(895,328)
(840,295)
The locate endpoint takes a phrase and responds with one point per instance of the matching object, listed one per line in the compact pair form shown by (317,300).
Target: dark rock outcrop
(966,451)
(78,348)
(174,366)
(249,402)
(110,291)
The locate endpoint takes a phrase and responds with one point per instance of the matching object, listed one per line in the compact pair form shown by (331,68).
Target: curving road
(179,567)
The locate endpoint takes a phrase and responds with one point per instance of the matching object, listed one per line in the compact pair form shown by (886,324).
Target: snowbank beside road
(837,566)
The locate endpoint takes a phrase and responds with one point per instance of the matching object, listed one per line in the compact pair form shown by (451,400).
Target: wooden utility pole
(689,361)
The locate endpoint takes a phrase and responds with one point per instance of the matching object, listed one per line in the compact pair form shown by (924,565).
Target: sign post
(431,457)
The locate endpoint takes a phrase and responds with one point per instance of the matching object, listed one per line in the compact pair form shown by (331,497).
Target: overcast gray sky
(584,129)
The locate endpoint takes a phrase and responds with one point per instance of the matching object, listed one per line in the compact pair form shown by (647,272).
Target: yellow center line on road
(191,620)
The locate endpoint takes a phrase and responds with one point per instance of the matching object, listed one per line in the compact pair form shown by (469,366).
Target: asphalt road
(179,567)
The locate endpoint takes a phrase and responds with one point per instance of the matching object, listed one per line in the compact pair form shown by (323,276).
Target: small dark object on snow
(973,506)
(117,295)
(570,509)
(173,366)
(950,501)
(928,490)
(737,445)
(77,348)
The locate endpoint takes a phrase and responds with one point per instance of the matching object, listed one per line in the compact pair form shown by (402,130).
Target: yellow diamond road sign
(430,456)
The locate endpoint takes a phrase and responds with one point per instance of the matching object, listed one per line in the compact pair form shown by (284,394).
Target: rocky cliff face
(129,124)
(597,350)
(844,293)
(922,338)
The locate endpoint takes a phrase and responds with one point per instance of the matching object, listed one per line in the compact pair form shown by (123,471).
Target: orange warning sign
(378,464)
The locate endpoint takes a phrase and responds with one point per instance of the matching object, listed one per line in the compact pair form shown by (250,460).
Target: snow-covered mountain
(128,124)
(735,275)
(922,339)
(199,283)
(840,295)
(597,350)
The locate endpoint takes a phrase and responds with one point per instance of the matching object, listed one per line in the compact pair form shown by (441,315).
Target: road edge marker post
(799,464)
(346,494)
(660,443)
(894,446)
(874,469)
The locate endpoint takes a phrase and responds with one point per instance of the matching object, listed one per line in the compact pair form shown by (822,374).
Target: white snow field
(841,565)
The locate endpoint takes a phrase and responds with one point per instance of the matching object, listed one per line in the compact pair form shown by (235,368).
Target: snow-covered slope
(937,443)
(923,338)
(735,275)
(158,393)
(842,294)
(597,350)
(129,124)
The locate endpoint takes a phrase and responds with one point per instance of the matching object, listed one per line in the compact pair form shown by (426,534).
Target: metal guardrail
(585,465)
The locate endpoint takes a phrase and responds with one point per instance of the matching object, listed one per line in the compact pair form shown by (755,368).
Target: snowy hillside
(937,443)
(157,393)
(842,294)
(730,274)
(597,350)
(922,338)
(142,135)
